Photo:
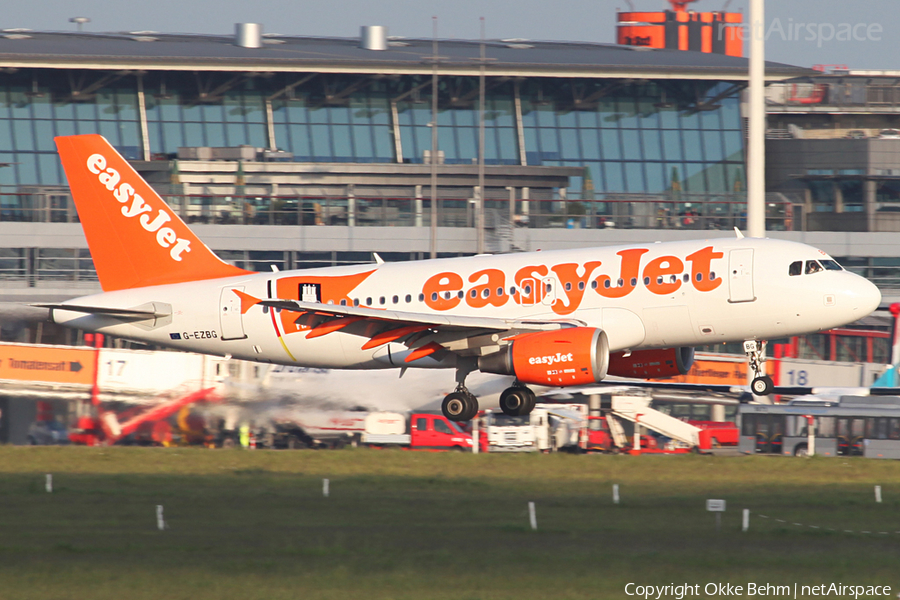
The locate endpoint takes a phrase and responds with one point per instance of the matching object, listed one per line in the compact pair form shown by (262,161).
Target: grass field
(404,525)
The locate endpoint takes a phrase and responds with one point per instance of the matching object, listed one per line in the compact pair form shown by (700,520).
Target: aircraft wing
(445,322)
(424,334)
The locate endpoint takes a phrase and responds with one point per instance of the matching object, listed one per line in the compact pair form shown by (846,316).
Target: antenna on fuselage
(378,259)
(738,233)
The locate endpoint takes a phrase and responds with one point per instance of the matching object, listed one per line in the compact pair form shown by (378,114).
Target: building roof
(283,53)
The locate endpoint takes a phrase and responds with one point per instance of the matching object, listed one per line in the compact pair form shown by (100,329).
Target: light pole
(80,21)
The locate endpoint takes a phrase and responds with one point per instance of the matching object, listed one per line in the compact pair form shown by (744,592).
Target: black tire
(762,386)
(801,450)
(456,406)
(532,400)
(514,401)
(472,411)
(229,442)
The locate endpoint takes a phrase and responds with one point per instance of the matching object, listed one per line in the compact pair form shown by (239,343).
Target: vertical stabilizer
(135,238)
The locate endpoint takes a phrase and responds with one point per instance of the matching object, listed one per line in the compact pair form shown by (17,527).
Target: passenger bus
(852,426)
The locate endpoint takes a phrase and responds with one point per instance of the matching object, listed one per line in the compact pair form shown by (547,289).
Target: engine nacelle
(573,356)
(650,364)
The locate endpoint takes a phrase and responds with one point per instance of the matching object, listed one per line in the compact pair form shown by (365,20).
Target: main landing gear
(517,401)
(462,405)
(762,384)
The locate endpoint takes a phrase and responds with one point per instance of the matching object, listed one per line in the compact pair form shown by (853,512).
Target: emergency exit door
(740,275)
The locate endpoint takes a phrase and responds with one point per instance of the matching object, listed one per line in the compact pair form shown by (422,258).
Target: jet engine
(573,356)
(650,364)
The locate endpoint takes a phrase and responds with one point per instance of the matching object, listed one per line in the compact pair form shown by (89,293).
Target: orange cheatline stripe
(393,334)
(426,350)
(331,326)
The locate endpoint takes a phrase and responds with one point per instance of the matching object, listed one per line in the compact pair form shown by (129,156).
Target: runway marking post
(718,507)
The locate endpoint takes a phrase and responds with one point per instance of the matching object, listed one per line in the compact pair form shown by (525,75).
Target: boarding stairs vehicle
(637,409)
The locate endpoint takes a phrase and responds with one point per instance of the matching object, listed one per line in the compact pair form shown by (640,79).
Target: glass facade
(636,138)
(633,140)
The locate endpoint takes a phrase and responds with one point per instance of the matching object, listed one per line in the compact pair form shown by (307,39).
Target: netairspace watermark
(697,590)
(820,33)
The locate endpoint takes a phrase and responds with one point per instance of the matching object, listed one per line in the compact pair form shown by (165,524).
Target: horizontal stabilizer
(122,313)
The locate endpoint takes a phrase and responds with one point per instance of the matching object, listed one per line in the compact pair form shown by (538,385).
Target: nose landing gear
(762,384)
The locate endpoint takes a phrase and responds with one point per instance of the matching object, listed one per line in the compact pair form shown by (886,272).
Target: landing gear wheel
(762,386)
(517,401)
(459,406)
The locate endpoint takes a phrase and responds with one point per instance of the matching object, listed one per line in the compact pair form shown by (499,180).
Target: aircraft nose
(864,297)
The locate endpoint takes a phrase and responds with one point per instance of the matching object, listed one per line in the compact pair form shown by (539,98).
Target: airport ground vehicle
(850,426)
(414,431)
(679,425)
(139,425)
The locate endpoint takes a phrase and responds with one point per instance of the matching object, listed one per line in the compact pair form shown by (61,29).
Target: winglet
(135,238)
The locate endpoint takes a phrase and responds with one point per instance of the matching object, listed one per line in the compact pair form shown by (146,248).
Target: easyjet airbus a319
(559,318)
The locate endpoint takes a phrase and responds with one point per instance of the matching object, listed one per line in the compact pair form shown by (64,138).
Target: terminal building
(291,151)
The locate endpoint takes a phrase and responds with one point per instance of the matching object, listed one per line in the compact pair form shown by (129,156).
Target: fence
(674,210)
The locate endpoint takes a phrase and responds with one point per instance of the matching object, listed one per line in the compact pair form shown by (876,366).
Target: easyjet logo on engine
(563,286)
(135,206)
(551,360)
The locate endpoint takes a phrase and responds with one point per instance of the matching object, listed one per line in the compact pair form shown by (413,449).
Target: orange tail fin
(136,240)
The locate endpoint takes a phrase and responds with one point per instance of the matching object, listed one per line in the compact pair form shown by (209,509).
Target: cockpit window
(796,268)
(831,265)
(813,266)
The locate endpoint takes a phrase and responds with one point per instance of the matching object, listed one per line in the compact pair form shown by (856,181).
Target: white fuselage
(652,296)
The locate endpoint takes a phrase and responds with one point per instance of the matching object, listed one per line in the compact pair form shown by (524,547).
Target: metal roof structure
(151,51)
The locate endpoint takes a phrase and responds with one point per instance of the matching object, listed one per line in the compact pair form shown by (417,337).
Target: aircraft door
(529,292)
(230,318)
(740,275)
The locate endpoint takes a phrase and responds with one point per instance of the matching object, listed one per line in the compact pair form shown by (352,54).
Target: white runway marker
(325,487)
(877,493)
(160,522)
(615,493)
(532,517)
(49,483)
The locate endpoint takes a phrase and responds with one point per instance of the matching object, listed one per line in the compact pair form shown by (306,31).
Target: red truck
(414,431)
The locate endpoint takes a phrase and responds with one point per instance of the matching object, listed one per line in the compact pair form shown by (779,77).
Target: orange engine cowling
(573,356)
(650,364)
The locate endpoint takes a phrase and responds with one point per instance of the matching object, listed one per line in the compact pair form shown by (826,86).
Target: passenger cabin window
(813,266)
(796,268)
